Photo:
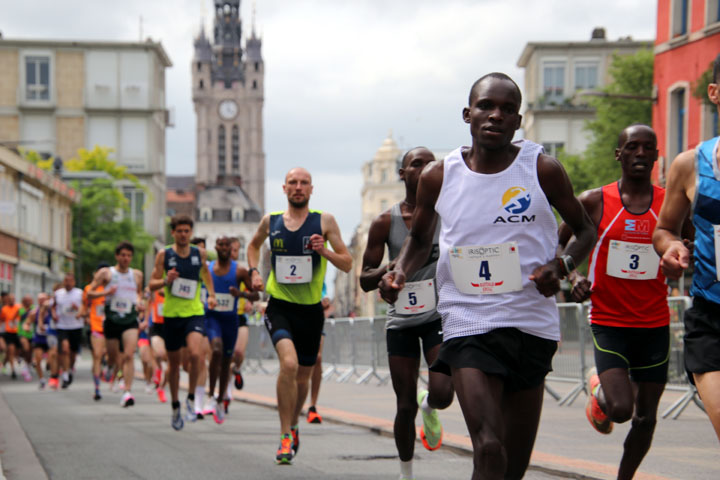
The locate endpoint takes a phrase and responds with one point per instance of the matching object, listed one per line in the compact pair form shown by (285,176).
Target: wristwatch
(568,264)
(251,270)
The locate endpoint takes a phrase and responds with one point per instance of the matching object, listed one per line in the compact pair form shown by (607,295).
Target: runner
(629,315)
(497,272)
(244,303)
(693,185)
(147,357)
(94,313)
(52,341)
(221,322)
(122,288)
(69,325)
(10,314)
(25,337)
(412,320)
(179,269)
(294,314)
(39,321)
(157,342)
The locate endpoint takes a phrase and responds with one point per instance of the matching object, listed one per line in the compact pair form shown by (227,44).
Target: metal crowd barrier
(354,349)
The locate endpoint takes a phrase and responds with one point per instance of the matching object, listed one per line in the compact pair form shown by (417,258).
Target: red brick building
(688,40)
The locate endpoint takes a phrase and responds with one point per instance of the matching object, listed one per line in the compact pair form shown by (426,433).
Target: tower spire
(254,10)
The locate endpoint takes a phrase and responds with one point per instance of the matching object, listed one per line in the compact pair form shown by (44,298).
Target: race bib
(100,310)
(486,269)
(634,261)
(123,306)
(293,269)
(225,302)
(67,309)
(161,309)
(416,297)
(184,288)
(716,235)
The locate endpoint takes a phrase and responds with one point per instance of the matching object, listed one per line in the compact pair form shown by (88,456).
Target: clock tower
(228,84)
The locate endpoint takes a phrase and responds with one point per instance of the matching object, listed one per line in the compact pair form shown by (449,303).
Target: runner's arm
(378,234)
(559,192)
(207,280)
(418,244)
(253,253)
(156,277)
(244,278)
(101,278)
(674,255)
(339,255)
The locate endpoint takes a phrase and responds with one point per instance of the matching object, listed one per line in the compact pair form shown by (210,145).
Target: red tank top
(629,290)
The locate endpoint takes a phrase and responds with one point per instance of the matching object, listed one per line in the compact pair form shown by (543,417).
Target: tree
(627,100)
(98,227)
(700,87)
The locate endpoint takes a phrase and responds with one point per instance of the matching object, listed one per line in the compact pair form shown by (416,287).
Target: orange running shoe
(597,418)
(313,416)
(54,383)
(284,452)
(161,395)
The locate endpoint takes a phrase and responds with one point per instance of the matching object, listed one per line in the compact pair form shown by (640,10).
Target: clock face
(228,109)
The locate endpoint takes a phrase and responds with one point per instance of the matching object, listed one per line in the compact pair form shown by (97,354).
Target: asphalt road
(72,437)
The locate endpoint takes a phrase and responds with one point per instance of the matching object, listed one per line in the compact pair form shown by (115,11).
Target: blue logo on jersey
(516,200)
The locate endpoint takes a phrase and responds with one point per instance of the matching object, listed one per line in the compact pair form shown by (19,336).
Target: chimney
(598,33)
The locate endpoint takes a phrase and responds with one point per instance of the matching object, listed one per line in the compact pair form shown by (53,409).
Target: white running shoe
(210,406)
(127,400)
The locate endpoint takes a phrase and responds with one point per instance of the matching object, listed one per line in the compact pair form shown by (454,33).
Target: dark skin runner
(502,425)
(404,370)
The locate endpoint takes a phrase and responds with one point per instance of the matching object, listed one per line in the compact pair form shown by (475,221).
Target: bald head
(634,128)
(298,172)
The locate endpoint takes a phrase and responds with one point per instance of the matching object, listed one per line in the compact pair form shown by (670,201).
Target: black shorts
(522,360)
(643,352)
(42,346)
(156,330)
(114,331)
(176,330)
(12,339)
(405,342)
(242,320)
(303,324)
(702,337)
(74,337)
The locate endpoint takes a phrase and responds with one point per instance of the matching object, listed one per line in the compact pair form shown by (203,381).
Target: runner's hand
(111,291)
(391,284)
(581,290)
(547,278)
(317,243)
(172,274)
(257,281)
(212,302)
(235,292)
(675,260)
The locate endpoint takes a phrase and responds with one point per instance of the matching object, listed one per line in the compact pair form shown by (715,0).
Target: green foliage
(700,86)
(96,230)
(35,158)
(631,75)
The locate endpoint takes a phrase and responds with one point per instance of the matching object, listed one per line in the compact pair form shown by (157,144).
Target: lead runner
(497,272)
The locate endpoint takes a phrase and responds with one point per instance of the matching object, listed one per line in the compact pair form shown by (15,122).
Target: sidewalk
(566,444)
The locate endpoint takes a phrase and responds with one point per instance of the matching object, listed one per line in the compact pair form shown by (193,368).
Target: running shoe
(210,406)
(149,387)
(161,395)
(597,418)
(97,396)
(13,375)
(177,421)
(26,375)
(431,431)
(191,416)
(54,383)
(218,415)
(70,376)
(295,431)
(313,416)
(42,384)
(127,400)
(239,382)
(157,377)
(65,383)
(284,451)
(226,404)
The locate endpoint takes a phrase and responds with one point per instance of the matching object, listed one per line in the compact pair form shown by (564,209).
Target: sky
(339,75)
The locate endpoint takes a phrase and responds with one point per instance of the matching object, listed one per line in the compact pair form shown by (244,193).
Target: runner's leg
(638,440)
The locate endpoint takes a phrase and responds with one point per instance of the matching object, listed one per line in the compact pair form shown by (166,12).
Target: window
(221,150)
(257,66)
(254,85)
(554,81)
(679,17)
(677,125)
(713,12)
(235,150)
(201,85)
(136,202)
(37,78)
(199,66)
(586,76)
(553,148)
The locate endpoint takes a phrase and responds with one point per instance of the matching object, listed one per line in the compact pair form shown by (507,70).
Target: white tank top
(126,290)
(485,209)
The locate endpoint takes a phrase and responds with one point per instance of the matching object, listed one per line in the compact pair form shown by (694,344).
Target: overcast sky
(341,74)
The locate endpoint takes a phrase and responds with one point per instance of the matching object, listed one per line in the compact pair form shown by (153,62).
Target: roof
(149,44)
(626,42)
(180,182)
(172,196)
